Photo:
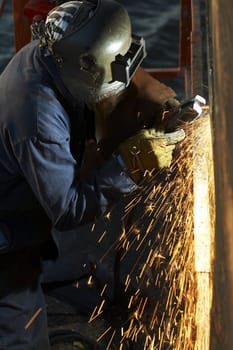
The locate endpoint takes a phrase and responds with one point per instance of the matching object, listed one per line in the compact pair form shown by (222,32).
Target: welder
(55,171)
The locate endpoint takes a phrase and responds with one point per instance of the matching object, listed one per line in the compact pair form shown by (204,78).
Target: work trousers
(23,320)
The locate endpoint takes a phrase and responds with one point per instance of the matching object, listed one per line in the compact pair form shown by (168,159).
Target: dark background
(156,20)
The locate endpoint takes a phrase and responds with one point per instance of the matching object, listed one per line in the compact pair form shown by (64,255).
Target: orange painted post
(21,24)
(190,50)
(196,50)
(185,44)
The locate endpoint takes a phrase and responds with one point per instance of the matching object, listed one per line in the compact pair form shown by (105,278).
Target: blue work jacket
(42,134)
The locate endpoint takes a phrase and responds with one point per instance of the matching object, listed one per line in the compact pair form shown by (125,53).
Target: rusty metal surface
(221,52)
(203,189)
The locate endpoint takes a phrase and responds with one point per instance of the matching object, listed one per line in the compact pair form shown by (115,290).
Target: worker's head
(93,47)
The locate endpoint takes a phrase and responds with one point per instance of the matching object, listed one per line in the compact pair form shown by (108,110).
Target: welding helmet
(93,47)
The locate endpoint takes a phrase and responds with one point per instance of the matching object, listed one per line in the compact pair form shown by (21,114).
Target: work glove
(177,114)
(149,150)
(140,106)
(130,116)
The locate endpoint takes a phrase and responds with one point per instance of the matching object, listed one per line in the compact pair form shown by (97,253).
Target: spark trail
(157,256)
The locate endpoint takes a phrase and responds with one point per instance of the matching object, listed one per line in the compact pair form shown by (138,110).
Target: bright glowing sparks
(158,249)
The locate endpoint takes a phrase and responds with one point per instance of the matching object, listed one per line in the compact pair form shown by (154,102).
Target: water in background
(156,20)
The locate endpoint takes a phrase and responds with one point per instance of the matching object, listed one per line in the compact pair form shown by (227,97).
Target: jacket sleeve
(51,171)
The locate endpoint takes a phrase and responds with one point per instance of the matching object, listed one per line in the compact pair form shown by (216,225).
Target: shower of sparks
(157,247)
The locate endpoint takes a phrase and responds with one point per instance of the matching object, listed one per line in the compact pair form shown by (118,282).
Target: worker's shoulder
(41,115)
(52,119)
(30,106)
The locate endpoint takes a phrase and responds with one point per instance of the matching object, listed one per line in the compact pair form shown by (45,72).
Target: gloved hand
(149,150)
(140,106)
(176,114)
(130,115)
(171,103)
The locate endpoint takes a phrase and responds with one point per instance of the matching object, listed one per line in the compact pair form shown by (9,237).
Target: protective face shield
(93,47)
